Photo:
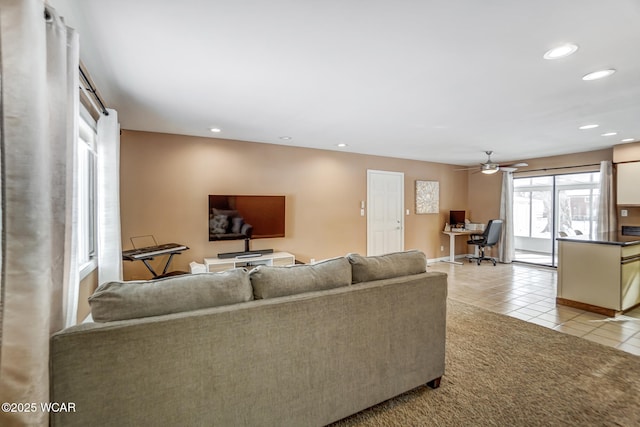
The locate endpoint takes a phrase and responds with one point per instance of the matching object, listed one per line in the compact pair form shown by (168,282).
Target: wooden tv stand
(275,259)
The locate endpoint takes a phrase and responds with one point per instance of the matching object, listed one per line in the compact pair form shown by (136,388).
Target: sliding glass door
(549,206)
(533,219)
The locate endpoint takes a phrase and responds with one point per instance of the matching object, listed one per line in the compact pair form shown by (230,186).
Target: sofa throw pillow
(365,269)
(219,224)
(136,299)
(272,282)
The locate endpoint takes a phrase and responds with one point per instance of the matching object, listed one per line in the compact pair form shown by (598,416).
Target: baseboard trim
(609,312)
(446,258)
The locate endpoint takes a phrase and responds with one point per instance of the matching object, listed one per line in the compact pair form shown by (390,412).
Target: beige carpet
(502,371)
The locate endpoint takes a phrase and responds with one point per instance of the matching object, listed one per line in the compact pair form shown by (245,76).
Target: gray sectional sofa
(304,345)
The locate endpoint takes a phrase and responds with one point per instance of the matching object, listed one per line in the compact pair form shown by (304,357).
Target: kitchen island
(599,274)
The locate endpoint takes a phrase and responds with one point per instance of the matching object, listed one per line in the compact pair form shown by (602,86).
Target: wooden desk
(452,243)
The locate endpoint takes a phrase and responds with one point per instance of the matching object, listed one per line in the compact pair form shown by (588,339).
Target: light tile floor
(528,292)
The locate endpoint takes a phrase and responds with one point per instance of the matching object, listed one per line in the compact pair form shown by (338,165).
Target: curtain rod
(49,15)
(93,92)
(561,167)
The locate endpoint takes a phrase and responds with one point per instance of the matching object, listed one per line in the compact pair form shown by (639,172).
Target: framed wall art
(427,197)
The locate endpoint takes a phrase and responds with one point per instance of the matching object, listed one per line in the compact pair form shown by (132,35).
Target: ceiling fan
(490,166)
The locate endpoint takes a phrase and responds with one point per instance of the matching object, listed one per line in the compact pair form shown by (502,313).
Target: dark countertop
(606,238)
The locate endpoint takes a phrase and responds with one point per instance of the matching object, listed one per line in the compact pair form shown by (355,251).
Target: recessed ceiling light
(584,127)
(285,138)
(561,51)
(215,130)
(342,145)
(599,74)
(628,140)
(610,134)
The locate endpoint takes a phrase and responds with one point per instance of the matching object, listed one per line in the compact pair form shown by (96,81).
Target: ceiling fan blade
(508,169)
(515,165)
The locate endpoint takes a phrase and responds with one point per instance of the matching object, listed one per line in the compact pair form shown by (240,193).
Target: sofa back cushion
(136,299)
(271,282)
(366,269)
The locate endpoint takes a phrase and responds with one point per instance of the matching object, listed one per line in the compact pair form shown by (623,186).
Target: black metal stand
(164,270)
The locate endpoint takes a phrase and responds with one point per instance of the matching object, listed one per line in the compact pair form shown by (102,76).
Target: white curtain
(607,205)
(109,244)
(507,247)
(39,85)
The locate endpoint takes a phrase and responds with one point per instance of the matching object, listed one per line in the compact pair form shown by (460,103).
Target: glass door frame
(592,185)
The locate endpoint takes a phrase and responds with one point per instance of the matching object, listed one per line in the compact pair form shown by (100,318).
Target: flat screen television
(244,217)
(456,218)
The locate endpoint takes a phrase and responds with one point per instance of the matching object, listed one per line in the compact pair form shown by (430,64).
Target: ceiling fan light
(489,168)
(490,171)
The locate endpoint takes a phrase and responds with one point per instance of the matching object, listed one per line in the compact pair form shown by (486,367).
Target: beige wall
(626,152)
(165,180)
(484,190)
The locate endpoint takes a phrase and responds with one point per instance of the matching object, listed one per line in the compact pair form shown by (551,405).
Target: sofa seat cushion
(140,298)
(366,269)
(272,282)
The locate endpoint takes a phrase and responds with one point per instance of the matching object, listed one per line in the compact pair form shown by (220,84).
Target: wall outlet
(441,248)
(407,211)
(624,212)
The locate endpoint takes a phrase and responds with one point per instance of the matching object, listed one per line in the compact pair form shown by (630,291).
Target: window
(87,172)
(576,199)
(547,207)
(532,206)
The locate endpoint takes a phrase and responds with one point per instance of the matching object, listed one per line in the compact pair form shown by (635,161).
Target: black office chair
(489,238)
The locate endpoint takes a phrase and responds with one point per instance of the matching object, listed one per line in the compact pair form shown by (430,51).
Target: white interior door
(385,221)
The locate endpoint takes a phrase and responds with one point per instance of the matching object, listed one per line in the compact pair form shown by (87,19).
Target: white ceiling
(440,81)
